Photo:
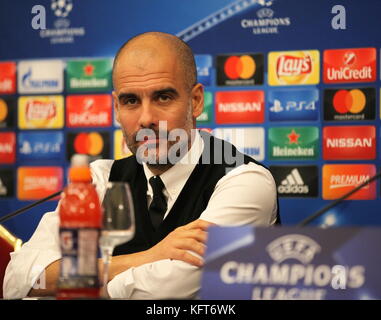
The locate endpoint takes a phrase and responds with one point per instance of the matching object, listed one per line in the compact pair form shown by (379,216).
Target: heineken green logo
(89,75)
(206,115)
(299,143)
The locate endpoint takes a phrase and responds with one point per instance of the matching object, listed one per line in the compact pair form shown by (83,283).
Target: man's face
(150,88)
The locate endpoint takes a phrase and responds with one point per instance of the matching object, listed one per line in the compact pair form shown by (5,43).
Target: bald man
(182,181)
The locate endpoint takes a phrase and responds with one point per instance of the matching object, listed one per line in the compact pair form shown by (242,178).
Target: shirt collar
(175,177)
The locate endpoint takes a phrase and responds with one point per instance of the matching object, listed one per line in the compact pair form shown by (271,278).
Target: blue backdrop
(97,28)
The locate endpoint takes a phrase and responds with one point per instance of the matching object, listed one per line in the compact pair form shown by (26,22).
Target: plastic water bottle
(80,215)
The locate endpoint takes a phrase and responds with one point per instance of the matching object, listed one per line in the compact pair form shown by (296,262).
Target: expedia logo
(292,181)
(245,69)
(293,246)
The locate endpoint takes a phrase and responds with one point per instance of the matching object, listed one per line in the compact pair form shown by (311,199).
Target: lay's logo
(288,65)
(40,112)
(294,67)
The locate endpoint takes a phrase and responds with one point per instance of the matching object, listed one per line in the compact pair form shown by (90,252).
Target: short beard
(172,145)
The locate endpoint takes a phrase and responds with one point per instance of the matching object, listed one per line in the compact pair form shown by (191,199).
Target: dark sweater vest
(217,158)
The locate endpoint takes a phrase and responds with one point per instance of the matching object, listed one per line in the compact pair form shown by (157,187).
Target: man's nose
(147,117)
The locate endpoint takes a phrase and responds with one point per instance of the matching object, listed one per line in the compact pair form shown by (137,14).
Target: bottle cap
(79,170)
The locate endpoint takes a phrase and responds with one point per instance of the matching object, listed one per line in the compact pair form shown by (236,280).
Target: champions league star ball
(61,8)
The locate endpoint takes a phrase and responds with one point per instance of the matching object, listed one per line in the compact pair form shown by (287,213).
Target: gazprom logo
(40,76)
(27,81)
(293,246)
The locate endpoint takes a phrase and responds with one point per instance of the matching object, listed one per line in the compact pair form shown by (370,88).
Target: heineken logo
(88,70)
(300,143)
(89,75)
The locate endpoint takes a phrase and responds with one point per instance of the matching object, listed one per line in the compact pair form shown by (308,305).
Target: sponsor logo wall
(60,107)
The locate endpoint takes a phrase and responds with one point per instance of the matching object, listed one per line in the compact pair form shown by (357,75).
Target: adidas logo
(293,184)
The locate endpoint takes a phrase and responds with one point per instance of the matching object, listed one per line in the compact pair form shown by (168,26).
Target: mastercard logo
(353,101)
(3,110)
(88,143)
(242,67)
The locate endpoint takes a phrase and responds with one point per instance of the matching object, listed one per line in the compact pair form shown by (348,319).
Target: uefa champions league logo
(61,8)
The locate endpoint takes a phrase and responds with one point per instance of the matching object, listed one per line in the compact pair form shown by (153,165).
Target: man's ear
(116,106)
(197,99)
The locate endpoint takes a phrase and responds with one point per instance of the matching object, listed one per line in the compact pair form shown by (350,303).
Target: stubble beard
(168,150)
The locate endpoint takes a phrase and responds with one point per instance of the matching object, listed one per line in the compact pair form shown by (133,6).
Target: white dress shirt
(245,195)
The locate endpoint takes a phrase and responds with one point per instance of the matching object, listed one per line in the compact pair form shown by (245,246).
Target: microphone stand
(21,210)
(337,201)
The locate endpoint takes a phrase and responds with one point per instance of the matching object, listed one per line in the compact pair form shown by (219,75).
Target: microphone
(22,210)
(337,201)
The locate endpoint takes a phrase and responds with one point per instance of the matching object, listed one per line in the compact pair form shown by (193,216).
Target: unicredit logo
(350,65)
(352,101)
(288,65)
(242,67)
(346,73)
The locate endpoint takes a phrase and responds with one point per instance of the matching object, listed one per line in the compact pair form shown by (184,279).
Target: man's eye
(129,101)
(163,98)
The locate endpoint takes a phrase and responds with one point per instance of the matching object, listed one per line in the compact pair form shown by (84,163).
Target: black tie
(158,205)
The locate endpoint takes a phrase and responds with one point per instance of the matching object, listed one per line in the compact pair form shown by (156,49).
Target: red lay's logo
(349,143)
(88,110)
(288,65)
(349,65)
(239,107)
(7,147)
(40,110)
